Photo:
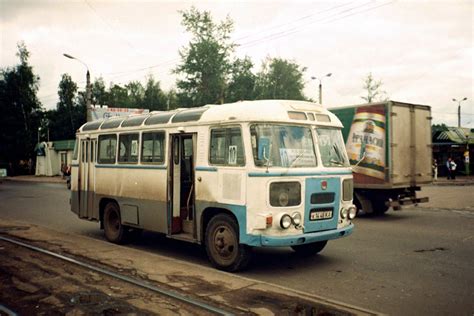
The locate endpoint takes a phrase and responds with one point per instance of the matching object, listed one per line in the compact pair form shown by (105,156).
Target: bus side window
(107,148)
(128,148)
(226,147)
(153,147)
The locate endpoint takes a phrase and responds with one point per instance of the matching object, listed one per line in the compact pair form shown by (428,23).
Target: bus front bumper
(286,241)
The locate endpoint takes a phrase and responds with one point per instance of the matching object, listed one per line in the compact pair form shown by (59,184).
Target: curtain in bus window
(218,146)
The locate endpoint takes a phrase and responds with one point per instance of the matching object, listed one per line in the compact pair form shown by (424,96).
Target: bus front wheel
(222,244)
(113,228)
(310,249)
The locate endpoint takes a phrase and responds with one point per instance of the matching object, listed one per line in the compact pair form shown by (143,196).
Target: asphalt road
(418,261)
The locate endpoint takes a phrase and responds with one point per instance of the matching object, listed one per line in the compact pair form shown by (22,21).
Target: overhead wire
(338,15)
(268,36)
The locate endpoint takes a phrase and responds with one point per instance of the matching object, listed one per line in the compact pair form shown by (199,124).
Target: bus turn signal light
(269,221)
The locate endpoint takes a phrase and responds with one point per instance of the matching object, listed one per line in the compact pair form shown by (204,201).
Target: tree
(135,93)
(99,95)
(373,90)
(172,100)
(242,81)
(20,110)
(280,79)
(439,127)
(118,96)
(154,98)
(70,111)
(206,61)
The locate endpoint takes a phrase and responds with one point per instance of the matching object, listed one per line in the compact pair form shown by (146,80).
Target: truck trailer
(390,151)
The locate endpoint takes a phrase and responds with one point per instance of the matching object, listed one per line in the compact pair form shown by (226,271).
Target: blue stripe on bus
(130,167)
(293,240)
(298,173)
(203,168)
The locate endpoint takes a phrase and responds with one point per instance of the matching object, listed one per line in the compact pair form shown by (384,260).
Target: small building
(52,156)
(454,142)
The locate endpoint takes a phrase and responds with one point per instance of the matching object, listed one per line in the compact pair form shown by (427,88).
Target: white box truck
(390,150)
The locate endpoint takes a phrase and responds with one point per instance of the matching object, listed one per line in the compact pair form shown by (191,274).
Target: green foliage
(439,127)
(135,93)
(242,81)
(20,110)
(99,94)
(280,79)
(154,98)
(373,90)
(118,96)
(69,115)
(206,61)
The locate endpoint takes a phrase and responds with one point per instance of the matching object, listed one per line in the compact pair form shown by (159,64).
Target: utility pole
(88,97)
(459,110)
(321,86)
(88,88)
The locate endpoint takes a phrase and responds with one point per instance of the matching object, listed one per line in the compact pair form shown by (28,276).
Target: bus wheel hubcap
(224,241)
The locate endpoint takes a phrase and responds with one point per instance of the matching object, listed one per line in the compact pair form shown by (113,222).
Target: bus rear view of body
(231,177)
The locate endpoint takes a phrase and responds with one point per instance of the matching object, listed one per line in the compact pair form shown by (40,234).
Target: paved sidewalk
(460,180)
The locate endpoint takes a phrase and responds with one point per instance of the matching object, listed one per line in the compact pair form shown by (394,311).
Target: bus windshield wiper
(296,159)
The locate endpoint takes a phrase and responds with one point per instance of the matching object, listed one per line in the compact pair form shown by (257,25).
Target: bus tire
(113,229)
(222,244)
(311,249)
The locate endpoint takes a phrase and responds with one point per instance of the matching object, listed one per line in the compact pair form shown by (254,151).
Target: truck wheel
(379,207)
(222,244)
(113,229)
(310,249)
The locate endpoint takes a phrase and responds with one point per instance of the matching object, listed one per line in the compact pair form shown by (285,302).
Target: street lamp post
(466,154)
(321,86)
(459,110)
(88,87)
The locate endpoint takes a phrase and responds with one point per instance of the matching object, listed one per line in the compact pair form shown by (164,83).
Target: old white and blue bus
(231,177)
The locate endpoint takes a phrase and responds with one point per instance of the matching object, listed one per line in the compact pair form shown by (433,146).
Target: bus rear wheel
(113,229)
(222,244)
(310,249)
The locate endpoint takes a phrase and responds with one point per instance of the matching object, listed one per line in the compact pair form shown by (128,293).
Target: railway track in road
(196,304)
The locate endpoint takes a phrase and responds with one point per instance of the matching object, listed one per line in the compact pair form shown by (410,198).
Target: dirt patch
(36,284)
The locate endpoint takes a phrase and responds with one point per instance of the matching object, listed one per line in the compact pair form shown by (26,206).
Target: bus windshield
(282,146)
(331,147)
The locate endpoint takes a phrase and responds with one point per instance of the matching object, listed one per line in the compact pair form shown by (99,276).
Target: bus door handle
(199,179)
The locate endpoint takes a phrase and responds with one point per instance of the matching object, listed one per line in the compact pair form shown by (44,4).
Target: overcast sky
(421,50)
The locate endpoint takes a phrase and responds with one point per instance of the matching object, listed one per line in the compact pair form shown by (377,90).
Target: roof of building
(60,145)
(457,135)
(261,110)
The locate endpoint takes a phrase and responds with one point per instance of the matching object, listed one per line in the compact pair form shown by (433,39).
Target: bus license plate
(320,214)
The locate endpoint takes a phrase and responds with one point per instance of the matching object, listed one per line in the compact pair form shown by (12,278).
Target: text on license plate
(320,214)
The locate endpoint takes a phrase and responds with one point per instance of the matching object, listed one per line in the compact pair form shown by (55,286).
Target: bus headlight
(344,212)
(283,199)
(352,212)
(285,221)
(296,218)
(284,194)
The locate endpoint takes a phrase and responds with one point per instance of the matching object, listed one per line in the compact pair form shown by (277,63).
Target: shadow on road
(390,216)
